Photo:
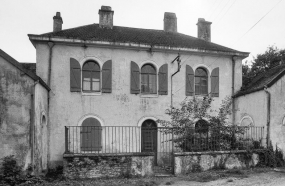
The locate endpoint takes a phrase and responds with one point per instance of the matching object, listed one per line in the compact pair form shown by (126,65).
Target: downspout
(178,69)
(268,96)
(51,45)
(33,127)
(234,58)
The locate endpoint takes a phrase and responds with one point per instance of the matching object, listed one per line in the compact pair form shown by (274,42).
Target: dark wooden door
(91,134)
(149,138)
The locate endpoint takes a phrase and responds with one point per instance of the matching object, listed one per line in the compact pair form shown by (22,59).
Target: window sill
(149,95)
(91,93)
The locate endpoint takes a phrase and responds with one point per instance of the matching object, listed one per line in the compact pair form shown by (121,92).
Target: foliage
(216,134)
(269,59)
(271,157)
(12,174)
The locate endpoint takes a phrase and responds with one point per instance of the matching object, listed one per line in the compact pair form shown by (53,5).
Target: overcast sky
(232,20)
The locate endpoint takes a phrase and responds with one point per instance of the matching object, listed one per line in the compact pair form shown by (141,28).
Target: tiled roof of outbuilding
(267,79)
(151,37)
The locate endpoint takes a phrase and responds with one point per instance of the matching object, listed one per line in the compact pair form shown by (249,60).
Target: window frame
(207,83)
(92,92)
(148,82)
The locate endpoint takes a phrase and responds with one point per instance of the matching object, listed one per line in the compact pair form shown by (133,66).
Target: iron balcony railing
(130,139)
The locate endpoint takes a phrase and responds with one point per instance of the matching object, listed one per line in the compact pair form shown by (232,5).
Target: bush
(11,173)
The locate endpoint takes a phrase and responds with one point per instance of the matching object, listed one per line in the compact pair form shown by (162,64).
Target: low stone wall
(107,165)
(186,162)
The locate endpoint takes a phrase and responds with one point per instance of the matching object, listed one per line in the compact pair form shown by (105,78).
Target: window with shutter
(91,77)
(91,134)
(215,82)
(189,81)
(163,80)
(201,81)
(75,75)
(135,78)
(107,77)
(148,79)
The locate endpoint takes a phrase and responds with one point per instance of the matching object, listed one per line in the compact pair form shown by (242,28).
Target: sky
(244,25)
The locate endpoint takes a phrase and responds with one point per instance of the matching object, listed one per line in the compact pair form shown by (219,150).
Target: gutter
(130,45)
(268,96)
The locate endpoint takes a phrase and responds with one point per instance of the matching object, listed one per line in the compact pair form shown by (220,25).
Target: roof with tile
(30,66)
(266,79)
(151,37)
(18,65)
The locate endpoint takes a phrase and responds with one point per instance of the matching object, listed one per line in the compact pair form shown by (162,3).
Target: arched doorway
(149,137)
(91,134)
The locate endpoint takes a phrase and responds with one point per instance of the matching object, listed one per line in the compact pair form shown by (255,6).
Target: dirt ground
(258,177)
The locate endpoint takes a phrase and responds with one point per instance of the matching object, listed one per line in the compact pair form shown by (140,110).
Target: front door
(149,138)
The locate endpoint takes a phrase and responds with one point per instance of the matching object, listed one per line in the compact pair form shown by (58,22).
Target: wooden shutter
(189,81)
(135,78)
(75,75)
(107,77)
(163,80)
(215,82)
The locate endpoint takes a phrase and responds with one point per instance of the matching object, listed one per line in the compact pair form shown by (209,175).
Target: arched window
(247,121)
(148,79)
(91,77)
(201,81)
(91,134)
(202,127)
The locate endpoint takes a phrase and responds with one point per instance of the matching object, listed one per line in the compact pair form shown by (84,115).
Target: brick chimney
(170,22)
(57,22)
(106,17)
(204,29)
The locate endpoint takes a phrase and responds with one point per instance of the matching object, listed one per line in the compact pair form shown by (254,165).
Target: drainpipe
(234,58)
(178,69)
(268,96)
(33,127)
(51,45)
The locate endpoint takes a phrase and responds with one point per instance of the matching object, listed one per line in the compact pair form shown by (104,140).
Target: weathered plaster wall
(107,166)
(15,117)
(193,162)
(277,113)
(40,128)
(120,108)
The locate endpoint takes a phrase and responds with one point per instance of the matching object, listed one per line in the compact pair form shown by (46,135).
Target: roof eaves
(35,38)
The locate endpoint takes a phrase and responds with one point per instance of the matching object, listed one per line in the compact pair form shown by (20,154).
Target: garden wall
(107,165)
(187,162)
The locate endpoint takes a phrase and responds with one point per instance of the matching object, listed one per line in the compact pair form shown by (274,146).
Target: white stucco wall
(119,108)
(254,105)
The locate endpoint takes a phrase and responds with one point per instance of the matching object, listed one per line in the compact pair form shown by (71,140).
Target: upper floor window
(91,77)
(201,81)
(144,79)
(148,79)
(197,83)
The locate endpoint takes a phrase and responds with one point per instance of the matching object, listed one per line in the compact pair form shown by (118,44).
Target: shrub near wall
(108,166)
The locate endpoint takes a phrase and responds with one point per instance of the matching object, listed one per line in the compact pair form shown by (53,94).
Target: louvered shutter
(107,77)
(75,75)
(135,78)
(215,82)
(163,80)
(189,81)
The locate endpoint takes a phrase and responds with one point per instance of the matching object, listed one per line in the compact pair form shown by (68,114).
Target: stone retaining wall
(186,162)
(107,165)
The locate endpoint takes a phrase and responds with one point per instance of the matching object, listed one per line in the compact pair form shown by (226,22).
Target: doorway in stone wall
(44,143)
(149,138)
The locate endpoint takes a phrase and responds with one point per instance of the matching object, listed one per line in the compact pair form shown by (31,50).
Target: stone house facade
(104,75)
(23,114)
